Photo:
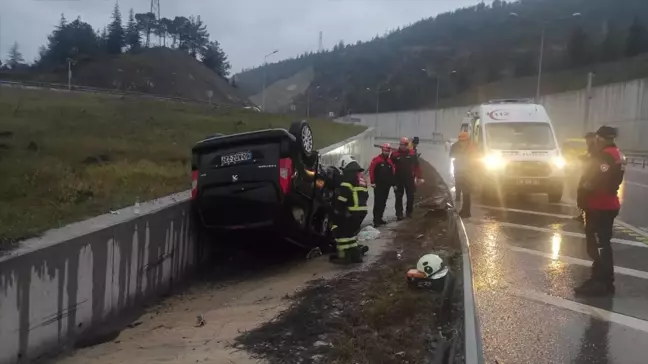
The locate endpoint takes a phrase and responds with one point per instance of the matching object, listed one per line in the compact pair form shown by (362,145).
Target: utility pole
(588,101)
(70,61)
(265,77)
(308,99)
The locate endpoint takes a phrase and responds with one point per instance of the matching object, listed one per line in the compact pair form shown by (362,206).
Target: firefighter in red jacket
(381,176)
(407,171)
(600,187)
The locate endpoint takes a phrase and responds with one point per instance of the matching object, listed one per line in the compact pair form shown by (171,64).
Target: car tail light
(194,184)
(285,171)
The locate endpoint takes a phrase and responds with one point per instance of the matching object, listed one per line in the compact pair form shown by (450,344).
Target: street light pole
(265,77)
(542,42)
(308,98)
(543,31)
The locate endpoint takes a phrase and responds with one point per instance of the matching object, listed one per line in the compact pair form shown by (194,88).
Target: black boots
(592,287)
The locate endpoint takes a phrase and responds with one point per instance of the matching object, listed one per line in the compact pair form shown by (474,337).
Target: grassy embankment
(65,157)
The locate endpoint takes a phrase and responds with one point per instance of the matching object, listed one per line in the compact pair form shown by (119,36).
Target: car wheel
(303,134)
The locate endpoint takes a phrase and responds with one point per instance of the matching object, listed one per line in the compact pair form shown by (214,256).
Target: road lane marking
(576,261)
(599,313)
(562,232)
(631,230)
(560,216)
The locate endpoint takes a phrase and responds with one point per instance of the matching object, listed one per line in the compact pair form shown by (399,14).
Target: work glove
(373,185)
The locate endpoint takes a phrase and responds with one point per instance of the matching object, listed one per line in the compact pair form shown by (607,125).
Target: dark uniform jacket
(601,180)
(463,157)
(407,165)
(381,171)
(352,194)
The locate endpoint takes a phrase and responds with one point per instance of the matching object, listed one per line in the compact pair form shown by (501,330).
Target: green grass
(65,157)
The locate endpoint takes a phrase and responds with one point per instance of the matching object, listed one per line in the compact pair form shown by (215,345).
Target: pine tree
(578,48)
(116,34)
(132,33)
(15,57)
(637,42)
(214,58)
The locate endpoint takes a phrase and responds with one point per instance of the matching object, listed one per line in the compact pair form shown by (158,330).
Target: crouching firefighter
(350,209)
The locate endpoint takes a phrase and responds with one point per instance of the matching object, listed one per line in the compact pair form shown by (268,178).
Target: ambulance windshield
(520,136)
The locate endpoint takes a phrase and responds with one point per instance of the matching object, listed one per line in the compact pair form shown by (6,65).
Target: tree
(194,37)
(146,24)
(578,48)
(611,48)
(175,29)
(15,57)
(132,35)
(214,58)
(116,35)
(76,40)
(165,27)
(637,42)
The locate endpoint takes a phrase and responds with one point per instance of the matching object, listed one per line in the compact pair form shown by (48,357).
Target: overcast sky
(246,29)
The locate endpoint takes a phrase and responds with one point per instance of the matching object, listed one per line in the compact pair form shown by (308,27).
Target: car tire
(303,134)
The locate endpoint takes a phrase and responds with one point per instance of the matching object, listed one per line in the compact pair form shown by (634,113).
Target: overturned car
(263,180)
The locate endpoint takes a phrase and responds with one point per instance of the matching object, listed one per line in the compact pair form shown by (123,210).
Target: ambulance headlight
(493,161)
(559,162)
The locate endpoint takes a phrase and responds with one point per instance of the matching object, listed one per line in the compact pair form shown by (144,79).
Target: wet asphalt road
(527,256)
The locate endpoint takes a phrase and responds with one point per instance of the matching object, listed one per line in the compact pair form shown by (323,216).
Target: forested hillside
(465,49)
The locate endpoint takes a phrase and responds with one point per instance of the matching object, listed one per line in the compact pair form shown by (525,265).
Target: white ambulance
(519,151)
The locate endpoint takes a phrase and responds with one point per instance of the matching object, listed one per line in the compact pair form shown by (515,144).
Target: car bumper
(525,184)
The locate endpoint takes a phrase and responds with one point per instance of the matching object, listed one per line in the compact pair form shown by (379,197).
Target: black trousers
(599,227)
(381,193)
(462,186)
(345,230)
(403,187)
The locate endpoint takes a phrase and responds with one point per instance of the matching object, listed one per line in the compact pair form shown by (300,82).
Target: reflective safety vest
(353,197)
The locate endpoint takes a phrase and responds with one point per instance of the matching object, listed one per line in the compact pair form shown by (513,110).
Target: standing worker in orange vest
(408,170)
(463,153)
(600,186)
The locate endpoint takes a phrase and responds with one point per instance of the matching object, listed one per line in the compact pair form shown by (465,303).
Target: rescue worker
(601,182)
(463,153)
(407,170)
(590,140)
(381,177)
(414,144)
(349,211)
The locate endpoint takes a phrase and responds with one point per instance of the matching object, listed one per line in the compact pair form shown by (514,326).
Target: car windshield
(520,136)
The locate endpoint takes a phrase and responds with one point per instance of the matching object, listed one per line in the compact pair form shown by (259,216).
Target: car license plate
(528,182)
(235,158)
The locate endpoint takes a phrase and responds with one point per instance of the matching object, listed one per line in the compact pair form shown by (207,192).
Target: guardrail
(77,88)
(637,159)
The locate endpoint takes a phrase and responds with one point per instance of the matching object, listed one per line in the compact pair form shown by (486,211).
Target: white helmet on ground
(433,266)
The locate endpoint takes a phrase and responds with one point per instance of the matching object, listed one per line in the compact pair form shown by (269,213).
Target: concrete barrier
(73,280)
(623,105)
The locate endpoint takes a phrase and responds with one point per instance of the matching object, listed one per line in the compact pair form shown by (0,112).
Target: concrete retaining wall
(624,105)
(57,287)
